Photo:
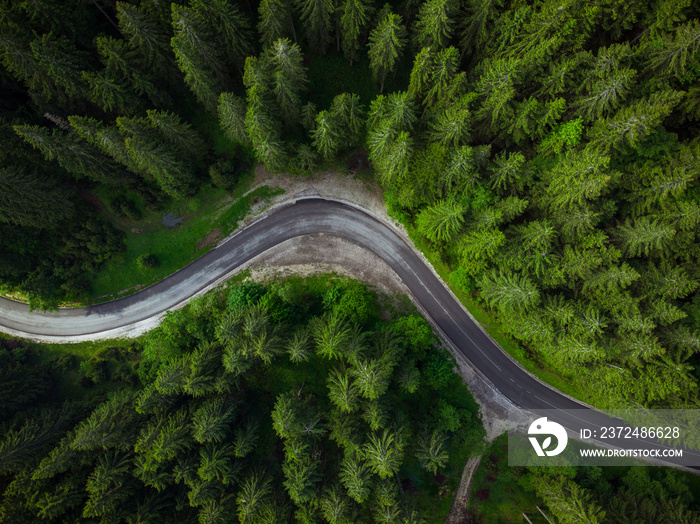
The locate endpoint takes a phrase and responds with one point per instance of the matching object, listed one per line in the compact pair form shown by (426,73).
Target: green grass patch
(209,216)
(496,497)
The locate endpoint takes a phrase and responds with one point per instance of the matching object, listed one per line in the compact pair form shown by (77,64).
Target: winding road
(311,216)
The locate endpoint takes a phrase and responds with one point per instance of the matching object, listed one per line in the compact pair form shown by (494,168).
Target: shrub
(245,294)
(124,207)
(223,174)
(147,261)
(438,370)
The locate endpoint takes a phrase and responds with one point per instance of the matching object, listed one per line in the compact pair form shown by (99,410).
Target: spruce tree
(386,43)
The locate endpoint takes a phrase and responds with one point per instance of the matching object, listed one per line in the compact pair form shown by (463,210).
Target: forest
(253,404)
(546,154)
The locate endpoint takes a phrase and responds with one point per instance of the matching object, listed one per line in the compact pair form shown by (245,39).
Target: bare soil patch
(212,238)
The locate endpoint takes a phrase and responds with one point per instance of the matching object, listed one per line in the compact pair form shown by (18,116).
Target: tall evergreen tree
(353,27)
(435,24)
(75,156)
(386,43)
(28,199)
(316,17)
(275,21)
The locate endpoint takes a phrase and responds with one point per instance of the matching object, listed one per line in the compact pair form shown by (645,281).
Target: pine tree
(289,76)
(441,221)
(477,17)
(336,507)
(452,125)
(509,291)
(431,451)
(153,154)
(178,133)
(353,27)
(122,61)
(275,21)
(421,72)
(109,426)
(327,134)
(633,123)
(27,199)
(111,93)
(63,63)
(386,43)
(348,111)
(75,156)
(255,490)
(233,31)
(435,24)
(644,236)
(316,19)
(104,137)
(384,453)
(355,476)
(245,439)
(442,75)
(342,391)
(372,377)
(145,34)
(579,177)
(197,56)
(672,53)
(232,114)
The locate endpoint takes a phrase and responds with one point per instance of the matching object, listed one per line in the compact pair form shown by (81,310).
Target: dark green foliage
(123,206)
(438,370)
(147,261)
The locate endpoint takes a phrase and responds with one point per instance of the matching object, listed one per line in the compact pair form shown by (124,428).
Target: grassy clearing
(208,217)
(487,320)
(496,497)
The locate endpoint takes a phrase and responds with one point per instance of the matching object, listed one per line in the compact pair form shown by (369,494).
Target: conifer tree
(75,156)
(289,76)
(441,221)
(198,56)
(316,17)
(275,21)
(386,43)
(145,34)
(435,24)
(353,27)
(384,452)
(27,199)
(232,114)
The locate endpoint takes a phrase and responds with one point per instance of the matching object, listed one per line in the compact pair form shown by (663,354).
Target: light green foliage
(386,43)
(275,21)
(431,451)
(441,221)
(288,75)
(509,291)
(353,26)
(384,452)
(435,23)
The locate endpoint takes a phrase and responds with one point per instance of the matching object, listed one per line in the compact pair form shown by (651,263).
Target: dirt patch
(328,184)
(458,511)
(315,254)
(212,238)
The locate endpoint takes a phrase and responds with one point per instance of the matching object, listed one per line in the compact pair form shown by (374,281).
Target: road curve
(304,217)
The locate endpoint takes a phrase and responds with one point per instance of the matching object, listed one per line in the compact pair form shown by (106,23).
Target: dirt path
(458,511)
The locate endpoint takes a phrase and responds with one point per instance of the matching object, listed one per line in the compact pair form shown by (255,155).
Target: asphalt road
(310,216)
